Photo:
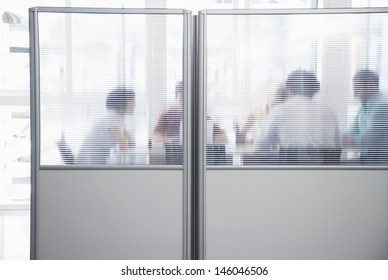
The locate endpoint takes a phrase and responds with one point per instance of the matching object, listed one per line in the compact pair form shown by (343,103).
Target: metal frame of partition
(202,100)
(187,122)
(34,88)
(194,133)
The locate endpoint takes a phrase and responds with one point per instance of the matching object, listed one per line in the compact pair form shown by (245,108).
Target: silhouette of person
(305,130)
(369,132)
(110,131)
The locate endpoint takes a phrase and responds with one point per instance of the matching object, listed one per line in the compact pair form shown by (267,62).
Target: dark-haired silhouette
(110,131)
(305,131)
(369,132)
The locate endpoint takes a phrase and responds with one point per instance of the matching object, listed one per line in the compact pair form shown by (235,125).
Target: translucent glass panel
(105,82)
(280,89)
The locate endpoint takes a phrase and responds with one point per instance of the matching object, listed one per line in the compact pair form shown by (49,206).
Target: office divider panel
(292,146)
(295,134)
(111,133)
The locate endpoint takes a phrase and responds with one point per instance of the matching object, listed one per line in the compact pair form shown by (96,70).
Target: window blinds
(281,88)
(297,89)
(107,82)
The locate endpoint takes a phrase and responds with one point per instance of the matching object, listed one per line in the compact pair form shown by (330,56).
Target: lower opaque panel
(296,214)
(109,214)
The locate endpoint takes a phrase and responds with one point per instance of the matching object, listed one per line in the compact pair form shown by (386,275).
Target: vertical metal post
(201,136)
(196,140)
(187,136)
(34,120)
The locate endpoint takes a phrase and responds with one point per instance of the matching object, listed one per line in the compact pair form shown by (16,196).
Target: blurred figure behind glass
(168,129)
(278,97)
(109,132)
(369,132)
(305,131)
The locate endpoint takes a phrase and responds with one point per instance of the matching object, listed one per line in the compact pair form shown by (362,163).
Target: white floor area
(14,234)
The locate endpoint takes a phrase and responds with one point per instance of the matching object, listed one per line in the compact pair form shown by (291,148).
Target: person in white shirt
(300,130)
(109,133)
(259,114)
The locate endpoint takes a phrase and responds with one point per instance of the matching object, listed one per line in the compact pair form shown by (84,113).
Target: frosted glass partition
(110,119)
(290,148)
(111,89)
(296,87)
